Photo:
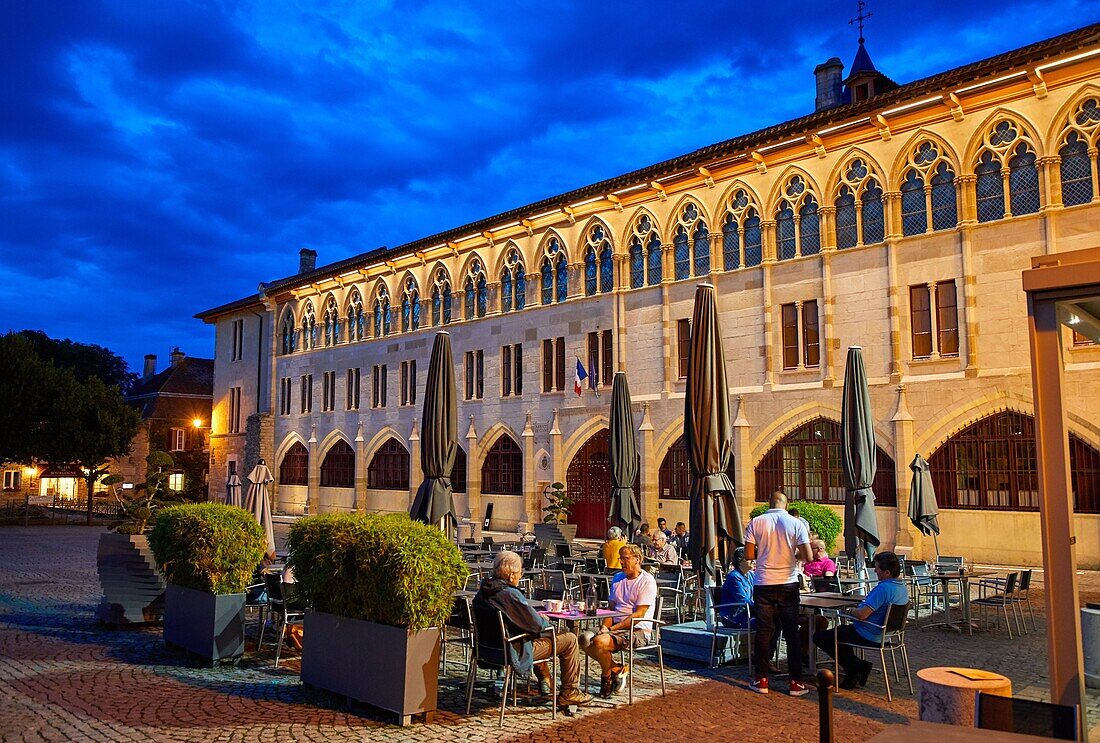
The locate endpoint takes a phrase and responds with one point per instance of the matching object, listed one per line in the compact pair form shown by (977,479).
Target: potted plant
(208,553)
(379,587)
(133,587)
(554,528)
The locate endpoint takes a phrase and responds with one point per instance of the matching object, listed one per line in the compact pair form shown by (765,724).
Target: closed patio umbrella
(434,502)
(233,491)
(923,511)
(623,459)
(257,501)
(857,459)
(708,434)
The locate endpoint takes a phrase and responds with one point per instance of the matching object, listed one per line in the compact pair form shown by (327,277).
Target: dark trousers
(845,654)
(777,605)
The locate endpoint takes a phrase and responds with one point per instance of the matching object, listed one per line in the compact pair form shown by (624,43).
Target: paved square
(64,677)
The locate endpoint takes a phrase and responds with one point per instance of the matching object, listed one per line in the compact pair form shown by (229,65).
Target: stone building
(896,218)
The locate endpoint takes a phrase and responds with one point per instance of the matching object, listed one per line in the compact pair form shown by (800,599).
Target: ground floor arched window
(805,465)
(458,472)
(674,478)
(389,469)
(294,469)
(502,473)
(338,467)
(992,465)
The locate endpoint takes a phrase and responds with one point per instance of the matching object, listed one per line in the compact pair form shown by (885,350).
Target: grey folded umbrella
(708,434)
(623,459)
(258,502)
(923,511)
(434,501)
(857,459)
(233,491)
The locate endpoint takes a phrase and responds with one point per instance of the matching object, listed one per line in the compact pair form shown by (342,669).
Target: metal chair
(255,602)
(892,639)
(924,587)
(670,585)
(283,604)
(1026,717)
(721,629)
(462,622)
(653,644)
(1023,598)
(491,652)
(999,593)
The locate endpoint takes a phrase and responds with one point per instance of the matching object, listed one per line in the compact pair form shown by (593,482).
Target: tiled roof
(183,390)
(933,85)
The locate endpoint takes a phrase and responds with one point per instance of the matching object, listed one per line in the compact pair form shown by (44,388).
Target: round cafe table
(947,693)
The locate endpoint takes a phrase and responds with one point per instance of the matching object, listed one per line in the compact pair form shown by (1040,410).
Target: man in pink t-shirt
(777,541)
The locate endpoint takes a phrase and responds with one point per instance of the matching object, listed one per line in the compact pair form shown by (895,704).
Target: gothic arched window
(555,273)
(599,270)
(310,331)
(1078,169)
(410,306)
(357,324)
(799,235)
(477,291)
(741,238)
(513,283)
(331,322)
(859,210)
(389,468)
(1006,163)
(287,334)
(691,244)
(502,473)
(441,298)
(928,188)
(383,313)
(294,469)
(338,466)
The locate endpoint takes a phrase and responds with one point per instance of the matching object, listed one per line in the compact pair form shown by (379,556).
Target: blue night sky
(158,159)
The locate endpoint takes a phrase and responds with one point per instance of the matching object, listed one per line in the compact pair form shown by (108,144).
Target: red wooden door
(588,481)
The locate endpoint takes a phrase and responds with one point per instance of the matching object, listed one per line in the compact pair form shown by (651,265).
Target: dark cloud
(161,158)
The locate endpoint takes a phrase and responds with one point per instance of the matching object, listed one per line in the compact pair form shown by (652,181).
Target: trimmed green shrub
(207,546)
(386,569)
(823,520)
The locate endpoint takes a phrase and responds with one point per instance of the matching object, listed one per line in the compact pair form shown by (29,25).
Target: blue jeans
(772,605)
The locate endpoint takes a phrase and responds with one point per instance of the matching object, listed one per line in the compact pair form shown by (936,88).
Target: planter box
(205,624)
(390,668)
(133,588)
(548,535)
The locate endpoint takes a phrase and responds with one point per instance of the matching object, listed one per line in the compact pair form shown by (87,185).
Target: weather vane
(860,18)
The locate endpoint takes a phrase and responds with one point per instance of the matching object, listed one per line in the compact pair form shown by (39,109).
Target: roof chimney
(828,75)
(177,355)
(307,260)
(150,365)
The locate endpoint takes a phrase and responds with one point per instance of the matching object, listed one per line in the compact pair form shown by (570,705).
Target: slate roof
(1000,64)
(184,390)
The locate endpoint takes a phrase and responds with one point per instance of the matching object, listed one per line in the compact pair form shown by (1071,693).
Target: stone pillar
(769,341)
(966,297)
(828,339)
(903,455)
(361,466)
(473,479)
(893,311)
(744,482)
(532,500)
(650,470)
(558,472)
(313,491)
(416,471)
(827,215)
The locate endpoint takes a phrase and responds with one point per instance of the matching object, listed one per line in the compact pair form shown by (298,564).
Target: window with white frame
(13,479)
(175,481)
(176,439)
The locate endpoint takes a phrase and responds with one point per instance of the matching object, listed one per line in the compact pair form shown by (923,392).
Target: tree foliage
(85,359)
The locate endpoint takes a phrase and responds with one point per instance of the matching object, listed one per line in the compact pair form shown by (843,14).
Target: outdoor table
(476,553)
(916,730)
(464,594)
(818,602)
(964,589)
(947,694)
(571,620)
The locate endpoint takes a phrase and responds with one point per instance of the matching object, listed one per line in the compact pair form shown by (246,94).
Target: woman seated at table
(611,547)
(662,551)
(737,589)
(822,566)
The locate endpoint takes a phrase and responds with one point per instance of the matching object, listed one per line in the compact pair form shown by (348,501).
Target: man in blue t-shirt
(889,591)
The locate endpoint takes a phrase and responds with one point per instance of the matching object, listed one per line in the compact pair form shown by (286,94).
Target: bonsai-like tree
(557,512)
(140,504)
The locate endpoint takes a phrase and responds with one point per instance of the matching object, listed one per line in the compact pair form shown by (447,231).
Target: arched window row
(991,465)
(1006,181)
(388,470)
(805,464)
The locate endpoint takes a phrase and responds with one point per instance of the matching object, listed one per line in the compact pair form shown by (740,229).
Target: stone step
(692,641)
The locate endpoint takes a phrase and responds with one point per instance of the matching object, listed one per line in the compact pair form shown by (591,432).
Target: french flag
(578,380)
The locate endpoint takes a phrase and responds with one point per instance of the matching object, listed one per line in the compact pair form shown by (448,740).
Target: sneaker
(573,696)
(798,689)
(759,684)
(619,678)
(544,688)
(605,687)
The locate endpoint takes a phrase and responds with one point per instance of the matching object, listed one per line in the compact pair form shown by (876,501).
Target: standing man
(777,542)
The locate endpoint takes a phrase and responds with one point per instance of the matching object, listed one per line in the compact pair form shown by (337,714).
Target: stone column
(361,466)
(532,500)
(903,455)
(416,472)
(313,491)
(473,479)
(828,227)
(649,471)
(744,482)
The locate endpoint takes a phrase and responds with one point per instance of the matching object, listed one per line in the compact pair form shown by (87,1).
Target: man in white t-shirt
(632,590)
(777,541)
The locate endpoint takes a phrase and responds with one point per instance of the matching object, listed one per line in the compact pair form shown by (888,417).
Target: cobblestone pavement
(63,677)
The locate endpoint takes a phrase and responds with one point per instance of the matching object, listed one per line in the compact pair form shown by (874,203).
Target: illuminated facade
(899,222)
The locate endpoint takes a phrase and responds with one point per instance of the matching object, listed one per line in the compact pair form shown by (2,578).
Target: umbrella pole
(708,585)
(936,541)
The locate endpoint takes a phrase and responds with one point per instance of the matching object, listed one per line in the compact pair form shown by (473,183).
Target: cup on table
(552,605)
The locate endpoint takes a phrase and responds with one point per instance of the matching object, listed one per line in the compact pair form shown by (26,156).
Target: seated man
(612,546)
(499,593)
(680,539)
(662,526)
(632,590)
(643,537)
(889,591)
(662,551)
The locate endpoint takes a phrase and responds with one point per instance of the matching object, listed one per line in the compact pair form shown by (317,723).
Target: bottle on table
(591,603)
